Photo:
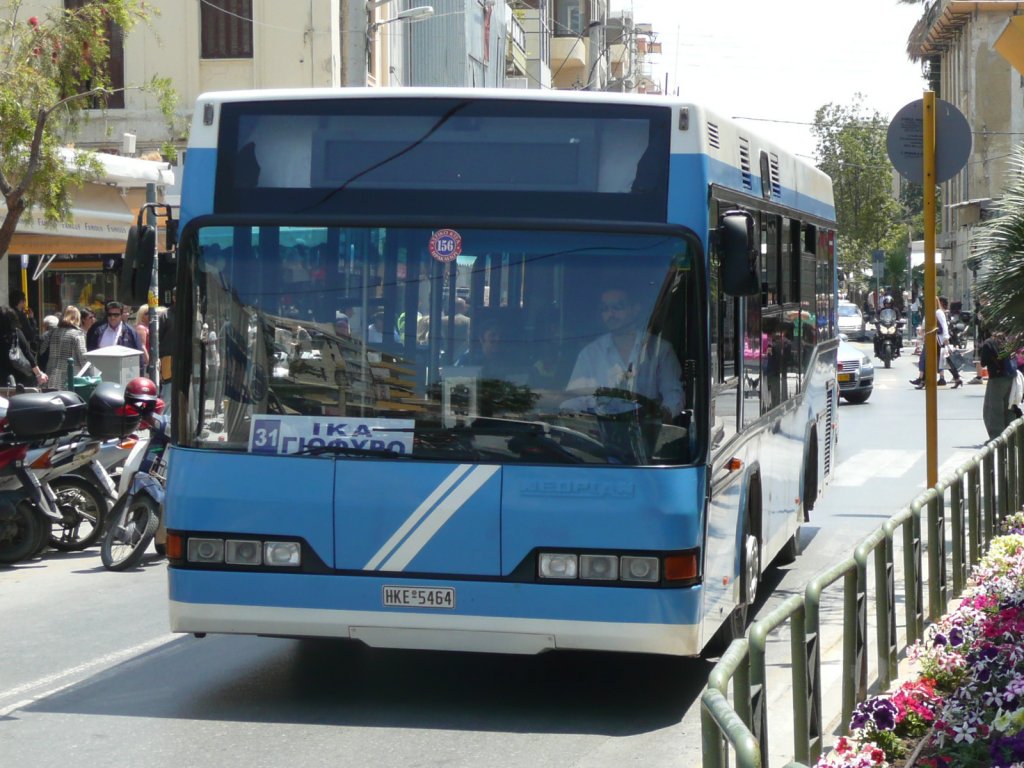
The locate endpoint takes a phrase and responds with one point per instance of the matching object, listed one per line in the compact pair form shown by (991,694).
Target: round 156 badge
(445,245)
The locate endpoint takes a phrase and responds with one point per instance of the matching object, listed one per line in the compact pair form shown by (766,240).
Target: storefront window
(62,287)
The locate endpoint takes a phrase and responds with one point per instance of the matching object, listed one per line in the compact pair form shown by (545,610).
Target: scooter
(78,470)
(888,335)
(137,517)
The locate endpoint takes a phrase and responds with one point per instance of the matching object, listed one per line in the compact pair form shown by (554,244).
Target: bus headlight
(282,553)
(242,552)
(639,568)
(599,567)
(205,550)
(557,565)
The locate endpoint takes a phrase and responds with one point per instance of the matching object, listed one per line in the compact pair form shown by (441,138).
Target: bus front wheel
(735,627)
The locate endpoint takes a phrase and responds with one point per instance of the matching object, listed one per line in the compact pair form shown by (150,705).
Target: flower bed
(965,709)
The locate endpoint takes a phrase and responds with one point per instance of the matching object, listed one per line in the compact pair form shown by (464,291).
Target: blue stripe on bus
(198,183)
(429,517)
(473,598)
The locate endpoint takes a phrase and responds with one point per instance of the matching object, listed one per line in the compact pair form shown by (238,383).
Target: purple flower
(939,639)
(956,637)
(989,653)
(885,717)
(859,720)
(1007,750)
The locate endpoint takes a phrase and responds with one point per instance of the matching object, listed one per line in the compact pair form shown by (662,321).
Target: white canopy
(101,213)
(917,254)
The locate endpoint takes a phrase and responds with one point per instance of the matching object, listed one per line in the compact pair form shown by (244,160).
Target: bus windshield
(483,345)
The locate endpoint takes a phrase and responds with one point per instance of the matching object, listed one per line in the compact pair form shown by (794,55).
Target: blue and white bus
(491,370)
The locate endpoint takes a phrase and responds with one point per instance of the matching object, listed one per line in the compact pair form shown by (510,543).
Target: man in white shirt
(629,358)
(113,330)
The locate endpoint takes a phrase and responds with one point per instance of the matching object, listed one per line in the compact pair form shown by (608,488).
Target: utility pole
(354,47)
(595,33)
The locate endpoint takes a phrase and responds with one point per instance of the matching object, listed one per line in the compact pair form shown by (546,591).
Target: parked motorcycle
(138,514)
(29,508)
(78,470)
(888,335)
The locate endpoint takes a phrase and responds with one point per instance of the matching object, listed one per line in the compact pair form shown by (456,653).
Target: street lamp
(410,14)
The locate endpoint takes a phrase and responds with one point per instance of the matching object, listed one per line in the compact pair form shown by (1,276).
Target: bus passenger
(630,358)
(488,352)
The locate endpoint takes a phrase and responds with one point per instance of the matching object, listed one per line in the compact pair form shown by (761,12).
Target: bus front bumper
(492,618)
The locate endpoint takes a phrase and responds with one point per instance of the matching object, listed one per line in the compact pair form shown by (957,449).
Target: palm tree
(998,247)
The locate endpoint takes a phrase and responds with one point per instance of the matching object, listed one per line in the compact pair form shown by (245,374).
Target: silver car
(850,320)
(855,372)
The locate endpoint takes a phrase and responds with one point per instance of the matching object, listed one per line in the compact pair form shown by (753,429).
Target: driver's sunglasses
(617,306)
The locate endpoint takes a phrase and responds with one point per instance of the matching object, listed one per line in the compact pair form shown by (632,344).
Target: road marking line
(108,660)
(879,462)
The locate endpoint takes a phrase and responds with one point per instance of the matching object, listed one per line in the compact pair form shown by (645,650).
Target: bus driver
(630,358)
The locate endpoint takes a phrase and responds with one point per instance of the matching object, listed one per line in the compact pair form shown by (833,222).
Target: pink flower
(33,22)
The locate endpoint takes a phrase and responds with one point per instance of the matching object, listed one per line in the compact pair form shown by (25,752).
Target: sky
(780,60)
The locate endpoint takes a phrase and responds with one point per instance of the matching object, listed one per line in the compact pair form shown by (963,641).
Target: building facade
(958,41)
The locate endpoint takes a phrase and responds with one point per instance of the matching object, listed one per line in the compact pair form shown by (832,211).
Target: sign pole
(930,348)
(929,142)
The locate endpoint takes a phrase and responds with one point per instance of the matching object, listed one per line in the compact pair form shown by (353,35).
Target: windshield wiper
(348,450)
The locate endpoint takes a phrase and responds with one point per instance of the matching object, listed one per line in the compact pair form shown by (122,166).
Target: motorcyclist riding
(887,332)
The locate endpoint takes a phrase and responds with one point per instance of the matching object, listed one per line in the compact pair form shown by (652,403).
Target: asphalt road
(92,677)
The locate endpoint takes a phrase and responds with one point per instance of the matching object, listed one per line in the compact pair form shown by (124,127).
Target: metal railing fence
(981,492)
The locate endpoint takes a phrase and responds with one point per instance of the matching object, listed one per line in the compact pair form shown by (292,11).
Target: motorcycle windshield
(887,316)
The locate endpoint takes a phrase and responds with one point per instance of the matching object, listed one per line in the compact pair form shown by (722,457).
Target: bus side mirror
(737,254)
(137,265)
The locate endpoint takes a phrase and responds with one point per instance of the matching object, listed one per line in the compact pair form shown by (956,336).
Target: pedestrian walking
(65,341)
(942,349)
(999,359)
(18,365)
(915,313)
(142,332)
(112,331)
(88,320)
(26,320)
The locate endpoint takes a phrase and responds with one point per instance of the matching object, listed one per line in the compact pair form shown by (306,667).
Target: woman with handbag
(65,341)
(18,366)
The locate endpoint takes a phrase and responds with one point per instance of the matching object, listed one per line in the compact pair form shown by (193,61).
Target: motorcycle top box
(44,414)
(108,414)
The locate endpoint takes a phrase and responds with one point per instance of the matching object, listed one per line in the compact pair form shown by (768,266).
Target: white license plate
(419,597)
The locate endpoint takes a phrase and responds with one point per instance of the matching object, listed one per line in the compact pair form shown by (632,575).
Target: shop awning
(917,254)
(101,213)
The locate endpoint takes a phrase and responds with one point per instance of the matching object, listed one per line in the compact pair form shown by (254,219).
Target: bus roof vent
(776,180)
(748,179)
(713,139)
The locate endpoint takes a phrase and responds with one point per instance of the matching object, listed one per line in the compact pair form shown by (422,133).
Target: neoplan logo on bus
(419,597)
